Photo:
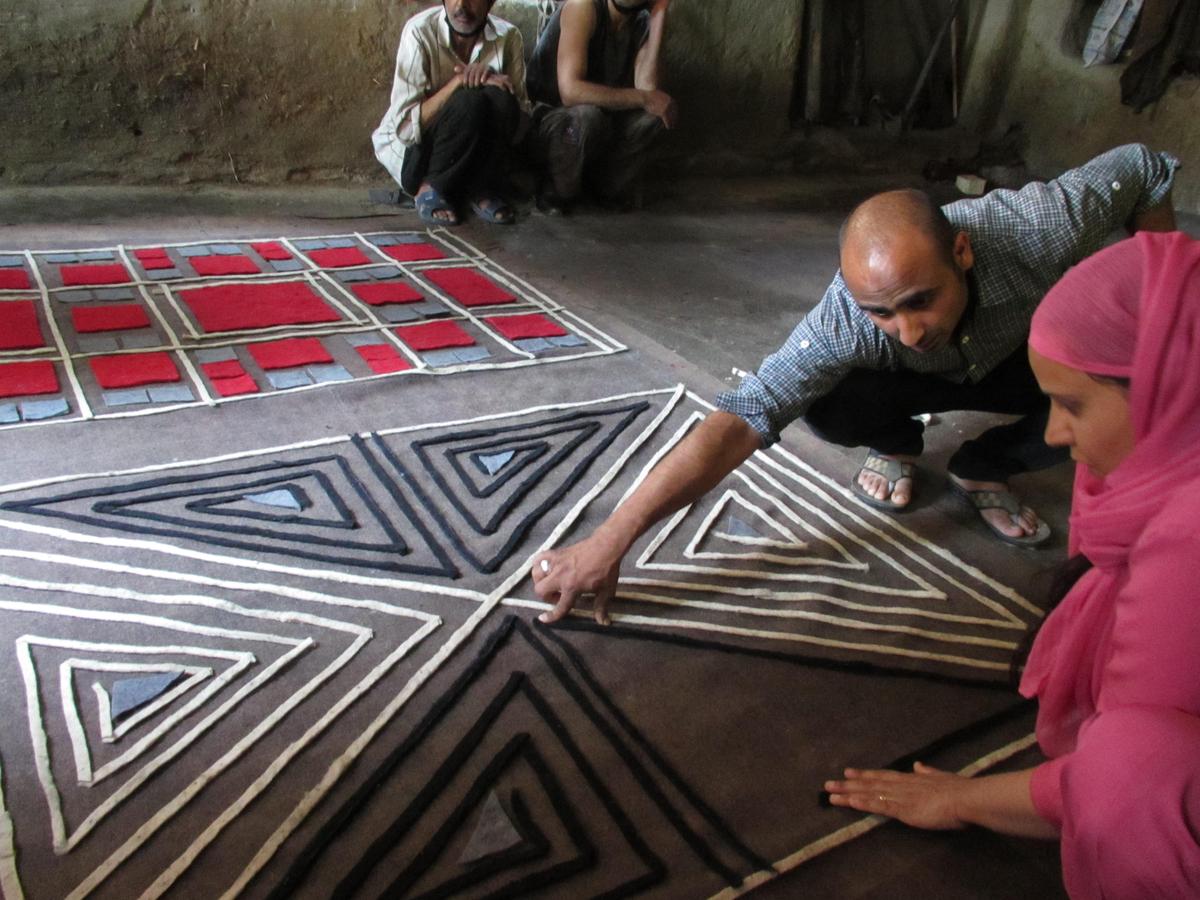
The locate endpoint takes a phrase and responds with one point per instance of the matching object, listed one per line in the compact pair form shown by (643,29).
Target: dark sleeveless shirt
(611,54)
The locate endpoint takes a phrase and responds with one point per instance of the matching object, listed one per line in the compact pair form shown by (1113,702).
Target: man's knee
(1135,772)
(502,106)
(590,122)
(466,108)
(848,415)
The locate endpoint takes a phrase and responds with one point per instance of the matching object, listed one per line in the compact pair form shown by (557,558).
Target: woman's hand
(927,798)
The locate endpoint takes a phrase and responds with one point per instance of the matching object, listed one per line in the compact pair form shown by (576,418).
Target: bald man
(930,312)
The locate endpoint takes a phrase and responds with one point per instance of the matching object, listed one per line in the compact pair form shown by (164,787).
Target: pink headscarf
(1132,311)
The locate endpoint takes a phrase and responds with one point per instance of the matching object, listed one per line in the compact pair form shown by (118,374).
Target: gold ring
(882,798)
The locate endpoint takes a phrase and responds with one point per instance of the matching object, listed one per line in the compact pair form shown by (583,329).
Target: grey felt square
(11,262)
(96,343)
(141,340)
(329,374)
(198,250)
(430,309)
(286,265)
(126,398)
(367,339)
(96,256)
(113,294)
(171,393)
(382,272)
(439,358)
(384,240)
(411,238)
(472,354)
(75,296)
(289,378)
(310,244)
(8,413)
(353,275)
(398,312)
(60,258)
(341,242)
(567,340)
(533,345)
(36,410)
(163,274)
(226,249)
(216,354)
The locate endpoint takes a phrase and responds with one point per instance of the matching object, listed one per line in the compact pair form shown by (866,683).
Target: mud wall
(1021,74)
(272,91)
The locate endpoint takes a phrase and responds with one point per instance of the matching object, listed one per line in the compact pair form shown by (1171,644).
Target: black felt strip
(212,506)
(410,514)
(211,533)
(517,535)
(861,667)
(698,844)
(706,812)
(352,806)
(585,853)
(523,456)
(584,433)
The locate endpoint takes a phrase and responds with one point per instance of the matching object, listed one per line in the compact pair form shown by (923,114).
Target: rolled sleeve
(1045,790)
(834,338)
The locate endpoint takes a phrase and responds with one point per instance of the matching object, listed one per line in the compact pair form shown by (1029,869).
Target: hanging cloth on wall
(1110,30)
(1167,44)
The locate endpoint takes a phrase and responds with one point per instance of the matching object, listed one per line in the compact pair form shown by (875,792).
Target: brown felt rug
(285,645)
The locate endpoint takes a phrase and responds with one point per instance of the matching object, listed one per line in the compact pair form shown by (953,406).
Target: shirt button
(966,339)
(972,368)
(1116,185)
(804,344)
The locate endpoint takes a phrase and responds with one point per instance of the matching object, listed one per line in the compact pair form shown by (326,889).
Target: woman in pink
(1116,666)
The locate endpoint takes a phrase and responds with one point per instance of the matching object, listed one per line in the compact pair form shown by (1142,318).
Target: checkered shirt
(1023,242)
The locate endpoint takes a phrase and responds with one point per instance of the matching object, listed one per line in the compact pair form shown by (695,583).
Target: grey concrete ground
(714,273)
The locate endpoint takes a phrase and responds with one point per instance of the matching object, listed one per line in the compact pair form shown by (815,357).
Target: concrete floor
(715,274)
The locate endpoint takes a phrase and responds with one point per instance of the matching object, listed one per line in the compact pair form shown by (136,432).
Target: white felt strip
(10,879)
(790,541)
(278,590)
(861,827)
(111,732)
(85,409)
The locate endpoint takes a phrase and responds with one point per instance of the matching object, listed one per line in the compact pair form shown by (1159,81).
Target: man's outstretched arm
(720,444)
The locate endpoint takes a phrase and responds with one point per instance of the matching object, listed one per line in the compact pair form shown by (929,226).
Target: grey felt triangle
(494,833)
(494,462)
(130,693)
(281,497)
(735,526)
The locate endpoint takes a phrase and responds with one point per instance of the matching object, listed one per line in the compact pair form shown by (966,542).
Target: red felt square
(378,294)
(19,328)
(413,252)
(14,280)
(147,253)
(225,368)
(270,250)
(152,263)
(290,352)
(468,287)
(383,359)
(133,369)
(233,387)
(230,307)
(120,317)
(112,273)
(236,264)
(533,325)
(20,379)
(339,257)
(434,336)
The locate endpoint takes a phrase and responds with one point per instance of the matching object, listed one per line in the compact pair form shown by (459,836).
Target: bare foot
(899,492)
(1026,522)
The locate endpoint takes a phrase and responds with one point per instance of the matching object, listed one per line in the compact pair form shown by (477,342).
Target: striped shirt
(1023,243)
(425,61)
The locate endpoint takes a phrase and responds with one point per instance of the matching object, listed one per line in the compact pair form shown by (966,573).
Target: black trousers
(585,145)
(876,409)
(465,150)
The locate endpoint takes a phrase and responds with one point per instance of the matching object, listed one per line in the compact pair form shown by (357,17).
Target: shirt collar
(487,36)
